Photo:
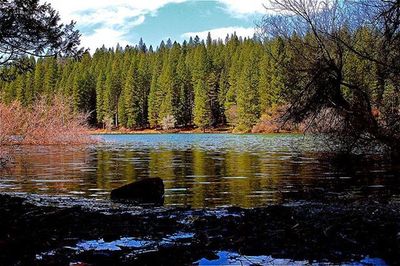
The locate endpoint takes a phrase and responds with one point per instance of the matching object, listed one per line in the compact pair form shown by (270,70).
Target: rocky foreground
(40,230)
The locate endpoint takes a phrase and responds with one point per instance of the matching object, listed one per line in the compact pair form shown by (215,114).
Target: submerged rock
(146,191)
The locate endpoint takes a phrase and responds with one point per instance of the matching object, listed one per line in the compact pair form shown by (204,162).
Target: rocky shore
(43,230)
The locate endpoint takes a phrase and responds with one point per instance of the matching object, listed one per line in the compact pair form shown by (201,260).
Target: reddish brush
(45,123)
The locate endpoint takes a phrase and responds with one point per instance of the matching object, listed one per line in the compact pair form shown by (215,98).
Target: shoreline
(158,131)
(183,131)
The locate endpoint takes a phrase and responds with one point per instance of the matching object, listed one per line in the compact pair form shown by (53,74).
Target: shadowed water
(203,170)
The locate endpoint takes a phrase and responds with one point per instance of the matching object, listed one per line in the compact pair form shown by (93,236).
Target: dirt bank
(38,230)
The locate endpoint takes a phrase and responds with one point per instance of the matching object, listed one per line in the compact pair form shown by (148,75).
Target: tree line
(202,83)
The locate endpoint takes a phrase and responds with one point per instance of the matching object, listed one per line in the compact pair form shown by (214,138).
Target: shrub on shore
(46,122)
(272,121)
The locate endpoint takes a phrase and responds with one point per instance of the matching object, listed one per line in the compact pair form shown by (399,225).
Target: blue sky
(125,21)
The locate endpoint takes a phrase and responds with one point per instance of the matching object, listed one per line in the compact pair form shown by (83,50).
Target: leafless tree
(343,66)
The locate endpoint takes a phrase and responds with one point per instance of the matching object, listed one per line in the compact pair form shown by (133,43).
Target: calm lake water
(203,170)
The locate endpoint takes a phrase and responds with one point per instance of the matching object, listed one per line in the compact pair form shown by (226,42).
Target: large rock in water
(146,191)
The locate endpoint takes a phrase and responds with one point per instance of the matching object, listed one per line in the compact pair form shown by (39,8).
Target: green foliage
(247,92)
(184,100)
(50,76)
(154,99)
(202,108)
(272,75)
(99,98)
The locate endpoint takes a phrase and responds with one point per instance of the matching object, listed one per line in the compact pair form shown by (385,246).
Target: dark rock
(146,191)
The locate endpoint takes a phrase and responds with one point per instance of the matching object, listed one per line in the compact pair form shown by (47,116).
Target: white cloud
(241,8)
(112,19)
(108,37)
(221,33)
(111,11)
(110,22)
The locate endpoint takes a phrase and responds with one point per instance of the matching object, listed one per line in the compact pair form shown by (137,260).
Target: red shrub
(45,123)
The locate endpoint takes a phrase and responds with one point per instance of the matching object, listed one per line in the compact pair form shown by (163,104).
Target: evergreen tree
(185,97)
(143,84)
(166,87)
(202,108)
(112,91)
(100,111)
(38,78)
(131,94)
(28,90)
(169,85)
(154,99)
(50,76)
(248,106)
(276,73)
(20,89)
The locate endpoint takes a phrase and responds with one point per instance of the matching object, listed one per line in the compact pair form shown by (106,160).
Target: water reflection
(201,170)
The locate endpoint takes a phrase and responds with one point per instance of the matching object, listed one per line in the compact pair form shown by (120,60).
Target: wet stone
(146,191)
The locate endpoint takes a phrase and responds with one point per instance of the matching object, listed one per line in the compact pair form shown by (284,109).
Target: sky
(126,21)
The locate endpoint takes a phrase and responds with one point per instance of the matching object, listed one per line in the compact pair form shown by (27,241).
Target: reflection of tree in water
(198,177)
(207,185)
(129,168)
(161,164)
(116,168)
(104,168)
(238,177)
(226,178)
(182,170)
(210,178)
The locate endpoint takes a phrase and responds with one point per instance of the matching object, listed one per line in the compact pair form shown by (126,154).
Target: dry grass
(45,123)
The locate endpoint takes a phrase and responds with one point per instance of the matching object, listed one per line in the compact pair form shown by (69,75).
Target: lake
(204,170)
